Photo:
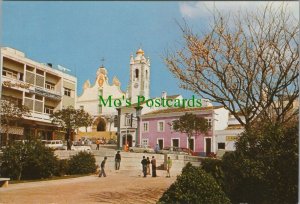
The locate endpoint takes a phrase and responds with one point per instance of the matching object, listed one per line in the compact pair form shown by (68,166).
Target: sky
(77,35)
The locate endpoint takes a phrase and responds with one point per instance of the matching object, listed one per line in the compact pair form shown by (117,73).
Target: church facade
(105,122)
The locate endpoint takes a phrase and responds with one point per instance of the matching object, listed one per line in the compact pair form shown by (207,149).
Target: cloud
(202,9)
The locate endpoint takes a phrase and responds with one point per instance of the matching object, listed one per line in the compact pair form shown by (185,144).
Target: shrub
(214,168)
(194,185)
(82,163)
(62,167)
(264,167)
(29,160)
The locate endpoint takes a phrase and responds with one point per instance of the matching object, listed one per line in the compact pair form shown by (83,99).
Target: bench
(4,182)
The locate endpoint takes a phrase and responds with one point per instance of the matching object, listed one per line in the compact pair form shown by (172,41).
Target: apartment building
(43,88)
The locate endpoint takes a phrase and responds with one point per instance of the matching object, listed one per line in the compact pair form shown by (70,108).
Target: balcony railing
(47,93)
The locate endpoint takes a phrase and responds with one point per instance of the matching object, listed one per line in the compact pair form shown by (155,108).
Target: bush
(62,167)
(194,185)
(29,160)
(264,167)
(82,163)
(214,168)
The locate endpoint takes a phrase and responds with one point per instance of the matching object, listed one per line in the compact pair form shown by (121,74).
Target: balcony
(15,84)
(47,93)
(39,117)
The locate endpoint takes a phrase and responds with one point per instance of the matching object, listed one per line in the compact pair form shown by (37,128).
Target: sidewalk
(118,187)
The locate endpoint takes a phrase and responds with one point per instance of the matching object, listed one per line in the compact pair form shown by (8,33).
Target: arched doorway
(129,140)
(100,124)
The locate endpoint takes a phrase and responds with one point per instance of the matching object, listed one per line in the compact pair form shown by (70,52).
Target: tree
(194,185)
(264,167)
(110,120)
(85,119)
(28,160)
(70,119)
(246,62)
(11,112)
(191,125)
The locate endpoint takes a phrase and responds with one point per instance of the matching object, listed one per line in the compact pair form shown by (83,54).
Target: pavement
(123,186)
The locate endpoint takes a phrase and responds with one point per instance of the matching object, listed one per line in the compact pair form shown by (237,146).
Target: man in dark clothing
(153,163)
(117,160)
(144,164)
(102,172)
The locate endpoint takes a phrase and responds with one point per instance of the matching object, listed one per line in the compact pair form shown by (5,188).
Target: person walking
(144,165)
(148,166)
(102,172)
(98,144)
(153,163)
(169,166)
(117,160)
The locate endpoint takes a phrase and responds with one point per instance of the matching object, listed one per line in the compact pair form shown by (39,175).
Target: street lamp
(126,116)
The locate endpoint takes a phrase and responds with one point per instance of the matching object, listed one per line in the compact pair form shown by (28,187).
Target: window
(10,73)
(221,145)
(175,142)
(67,92)
(49,86)
(145,142)
(160,126)
(48,110)
(127,120)
(171,124)
(209,121)
(137,73)
(145,126)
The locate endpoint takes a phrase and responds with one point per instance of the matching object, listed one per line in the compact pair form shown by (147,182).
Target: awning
(12,130)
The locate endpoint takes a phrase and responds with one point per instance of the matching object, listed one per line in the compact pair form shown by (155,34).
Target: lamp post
(126,116)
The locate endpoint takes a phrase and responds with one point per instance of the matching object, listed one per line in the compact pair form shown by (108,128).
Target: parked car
(189,151)
(141,148)
(81,148)
(172,150)
(112,141)
(55,144)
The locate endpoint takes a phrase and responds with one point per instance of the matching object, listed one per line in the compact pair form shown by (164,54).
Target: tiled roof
(135,104)
(180,110)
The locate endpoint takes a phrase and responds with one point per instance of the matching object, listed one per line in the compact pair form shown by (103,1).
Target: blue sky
(77,35)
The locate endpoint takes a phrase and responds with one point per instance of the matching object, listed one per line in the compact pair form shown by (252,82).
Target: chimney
(164,95)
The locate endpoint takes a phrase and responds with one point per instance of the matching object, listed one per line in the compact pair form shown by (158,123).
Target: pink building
(156,128)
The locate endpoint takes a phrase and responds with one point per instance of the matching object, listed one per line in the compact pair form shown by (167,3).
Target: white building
(94,96)
(41,87)
(226,138)
(89,100)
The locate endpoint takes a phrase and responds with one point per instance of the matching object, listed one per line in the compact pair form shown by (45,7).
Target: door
(129,140)
(175,142)
(161,144)
(191,144)
(208,146)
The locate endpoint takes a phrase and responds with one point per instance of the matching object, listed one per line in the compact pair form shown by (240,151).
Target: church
(105,117)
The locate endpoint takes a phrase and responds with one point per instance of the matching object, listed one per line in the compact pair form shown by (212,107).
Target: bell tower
(139,84)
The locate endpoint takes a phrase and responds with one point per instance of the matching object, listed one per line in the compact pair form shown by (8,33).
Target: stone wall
(132,161)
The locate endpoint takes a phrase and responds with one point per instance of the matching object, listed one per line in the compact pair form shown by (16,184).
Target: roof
(182,110)
(134,105)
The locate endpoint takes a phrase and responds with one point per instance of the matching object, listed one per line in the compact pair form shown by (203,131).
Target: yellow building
(43,88)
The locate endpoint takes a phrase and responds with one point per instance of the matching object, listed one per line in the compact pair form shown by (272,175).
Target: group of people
(145,165)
